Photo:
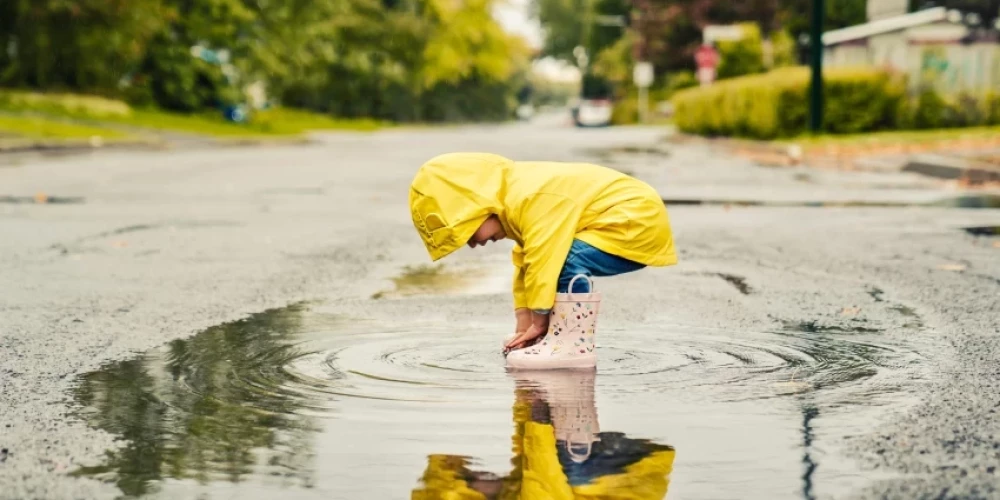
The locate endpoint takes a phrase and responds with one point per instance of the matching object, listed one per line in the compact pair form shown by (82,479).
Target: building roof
(882,26)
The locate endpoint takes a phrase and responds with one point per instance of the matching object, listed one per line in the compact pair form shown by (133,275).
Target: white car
(593,113)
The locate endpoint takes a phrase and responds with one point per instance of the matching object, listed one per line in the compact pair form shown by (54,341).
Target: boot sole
(551,363)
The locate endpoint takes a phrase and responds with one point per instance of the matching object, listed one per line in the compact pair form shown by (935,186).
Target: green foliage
(775,104)
(295,121)
(570,23)
(783,49)
(70,105)
(615,62)
(741,57)
(746,56)
(991,104)
(930,110)
(84,44)
(626,107)
(351,58)
(36,127)
(466,43)
(546,92)
(53,111)
(794,15)
(174,80)
(679,81)
(431,60)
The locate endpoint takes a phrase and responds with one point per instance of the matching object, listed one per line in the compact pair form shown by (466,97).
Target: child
(565,219)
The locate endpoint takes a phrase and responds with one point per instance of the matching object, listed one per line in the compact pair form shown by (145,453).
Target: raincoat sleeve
(549,222)
(517,256)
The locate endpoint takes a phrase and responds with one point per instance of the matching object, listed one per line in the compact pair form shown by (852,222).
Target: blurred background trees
(387,59)
(396,60)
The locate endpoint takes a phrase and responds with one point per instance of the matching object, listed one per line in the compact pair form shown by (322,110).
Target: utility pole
(816,59)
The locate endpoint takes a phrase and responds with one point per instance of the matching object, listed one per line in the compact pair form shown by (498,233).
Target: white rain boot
(569,395)
(569,343)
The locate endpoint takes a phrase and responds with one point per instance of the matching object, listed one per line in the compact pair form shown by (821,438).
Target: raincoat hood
(452,195)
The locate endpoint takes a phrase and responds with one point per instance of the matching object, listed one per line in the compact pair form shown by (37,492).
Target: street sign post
(816,63)
(642,76)
(707,60)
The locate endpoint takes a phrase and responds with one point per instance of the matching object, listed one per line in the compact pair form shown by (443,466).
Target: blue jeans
(590,261)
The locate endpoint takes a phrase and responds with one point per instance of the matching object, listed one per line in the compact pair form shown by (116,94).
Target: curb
(930,159)
(21,147)
(952,168)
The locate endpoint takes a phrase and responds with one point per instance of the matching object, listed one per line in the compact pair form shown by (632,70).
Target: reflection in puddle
(193,410)
(559,451)
(809,413)
(297,403)
(983,230)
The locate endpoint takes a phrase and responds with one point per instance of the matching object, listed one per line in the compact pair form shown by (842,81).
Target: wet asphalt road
(153,247)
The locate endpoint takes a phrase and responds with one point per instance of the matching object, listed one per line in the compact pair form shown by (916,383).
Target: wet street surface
(264,324)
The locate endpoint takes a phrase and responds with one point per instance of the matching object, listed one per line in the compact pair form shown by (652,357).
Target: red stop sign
(706,57)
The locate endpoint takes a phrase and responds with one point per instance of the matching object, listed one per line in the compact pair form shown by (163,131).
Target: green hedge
(775,104)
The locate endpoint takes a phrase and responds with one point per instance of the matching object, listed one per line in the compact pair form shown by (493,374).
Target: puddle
(433,279)
(300,404)
(295,191)
(983,230)
(737,281)
(971,201)
(627,150)
(609,156)
(41,199)
(814,327)
(905,311)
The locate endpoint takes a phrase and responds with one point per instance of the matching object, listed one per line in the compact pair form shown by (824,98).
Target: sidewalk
(957,158)
(702,172)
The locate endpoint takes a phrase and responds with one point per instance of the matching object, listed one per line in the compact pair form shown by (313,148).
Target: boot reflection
(559,451)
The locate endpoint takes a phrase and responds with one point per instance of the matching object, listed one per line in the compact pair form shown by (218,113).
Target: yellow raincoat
(542,206)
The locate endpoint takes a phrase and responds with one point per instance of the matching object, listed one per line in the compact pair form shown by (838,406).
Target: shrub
(775,104)
(929,110)
(991,105)
(625,109)
(741,57)
(63,104)
(680,81)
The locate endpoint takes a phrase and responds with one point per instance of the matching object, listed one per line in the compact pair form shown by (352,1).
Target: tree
(794,15)
(85,44)
(988,10)
(396,59)
(572,23)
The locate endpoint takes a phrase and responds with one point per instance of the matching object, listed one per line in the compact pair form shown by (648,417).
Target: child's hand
(523,338)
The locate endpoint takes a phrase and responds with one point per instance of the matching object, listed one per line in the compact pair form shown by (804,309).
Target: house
(932,47)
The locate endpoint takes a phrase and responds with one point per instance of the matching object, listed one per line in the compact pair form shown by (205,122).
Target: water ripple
(432,363)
